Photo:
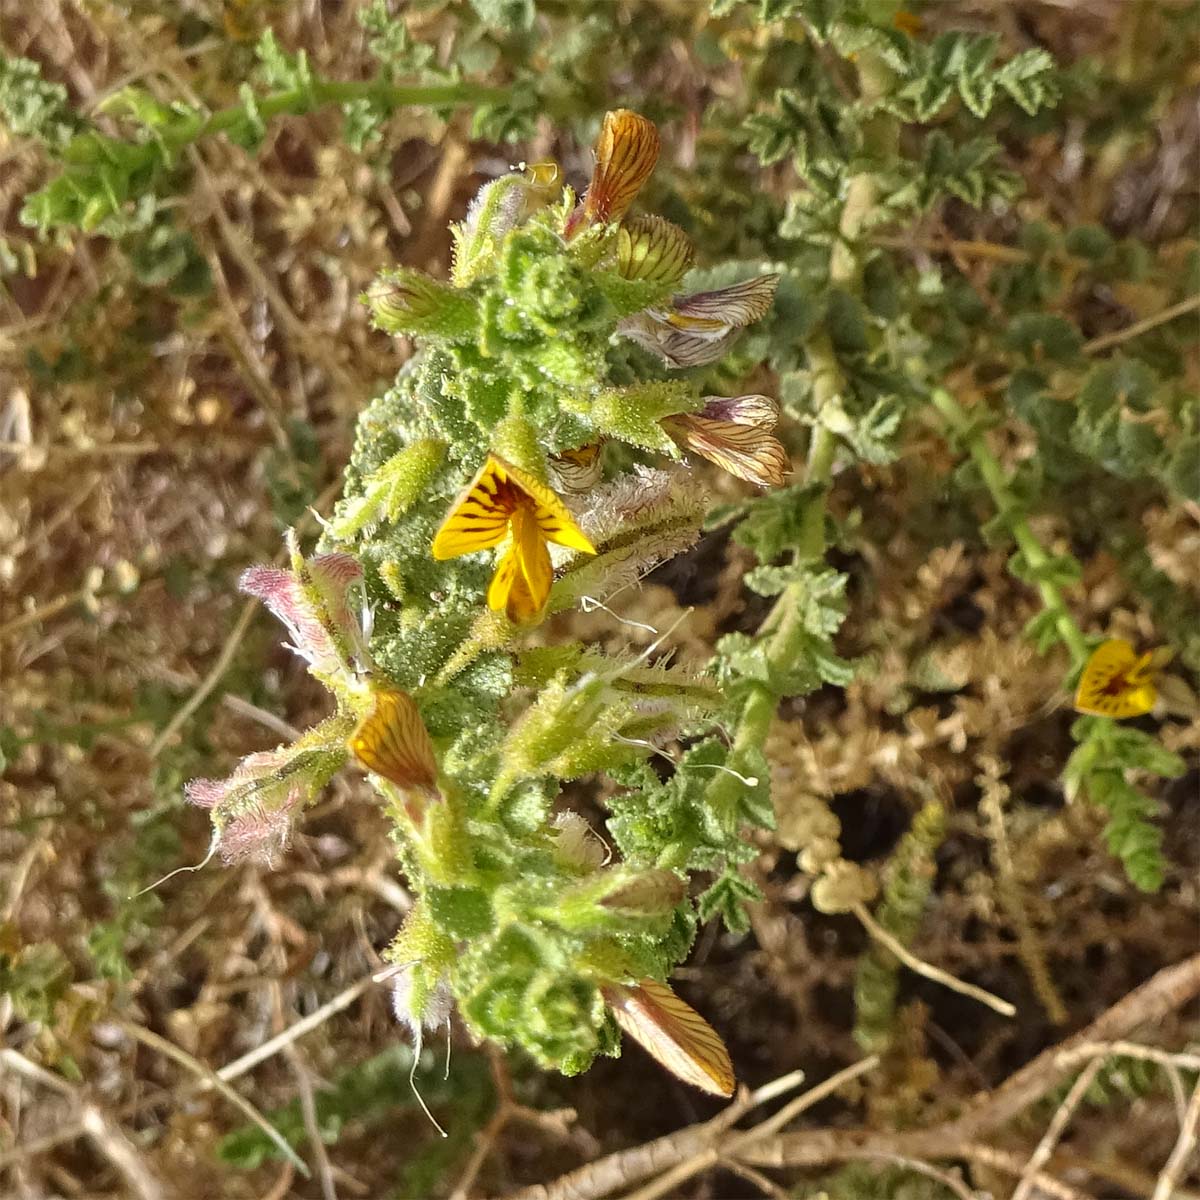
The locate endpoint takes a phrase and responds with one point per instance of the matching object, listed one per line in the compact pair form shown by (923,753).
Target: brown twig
(208,683)
(212,1079)
(1011,1164)
(1055,1130)
(1117,337)
(910,960)
(123,1155)
(627,1167)
(679,1156)
(948,1180)
(1164,1188)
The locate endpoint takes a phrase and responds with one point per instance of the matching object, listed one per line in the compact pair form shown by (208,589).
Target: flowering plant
(488,490)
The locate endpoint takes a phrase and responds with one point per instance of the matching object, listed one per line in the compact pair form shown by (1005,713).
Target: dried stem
(1117,337)
(910,960)
(121,1152)
(1165,992)
(212,1079)
(1164,1189)
(1055,1130)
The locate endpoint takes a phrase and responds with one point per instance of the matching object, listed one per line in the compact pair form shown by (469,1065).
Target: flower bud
(405,300)
(647,894)
(626,154)
(254,808)
(311,599)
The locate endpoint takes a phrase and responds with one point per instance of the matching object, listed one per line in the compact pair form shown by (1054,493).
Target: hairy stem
(1036,555)
(828,381)
(297,101)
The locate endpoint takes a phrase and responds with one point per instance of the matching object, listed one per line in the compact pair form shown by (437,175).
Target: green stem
(297,101)
(1036,555)
(828,382)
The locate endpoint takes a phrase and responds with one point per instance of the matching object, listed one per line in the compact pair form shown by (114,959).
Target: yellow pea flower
(1118,682)
(503,503)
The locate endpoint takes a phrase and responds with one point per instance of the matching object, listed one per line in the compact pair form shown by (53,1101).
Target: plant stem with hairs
(1036,555)
(828,381)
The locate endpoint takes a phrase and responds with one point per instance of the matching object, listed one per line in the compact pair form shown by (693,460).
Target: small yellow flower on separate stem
(674,1033)
(503,503)
(1118,682)
(626,154)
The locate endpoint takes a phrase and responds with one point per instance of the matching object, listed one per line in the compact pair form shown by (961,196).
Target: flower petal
(626,153)
(674,1033)
(392,742)
(523,576)
(259,833)
(478,518)
(747,451)
(732,307)
(207,793)
(761,411)
(648,893)
(281,591)
(653,249)
(679,349)
(533,557)
(1116,682)
(578,470)
(507,572)
(554,519)
(543,175)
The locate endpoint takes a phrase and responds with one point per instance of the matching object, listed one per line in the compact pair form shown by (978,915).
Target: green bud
(405,300)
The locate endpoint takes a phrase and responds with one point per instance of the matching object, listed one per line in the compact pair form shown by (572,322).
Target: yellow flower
(504,503)
(626,153)
(1118,682)
(391,741)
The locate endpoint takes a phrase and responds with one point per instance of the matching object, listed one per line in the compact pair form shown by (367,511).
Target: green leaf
(510,16)
(775,521)
(1089,241)
(976,81)
(280,70)
(1030,78)
(1181,472)
(1042,336)
(33,107)
(727,898)
(35,978)
(461,912)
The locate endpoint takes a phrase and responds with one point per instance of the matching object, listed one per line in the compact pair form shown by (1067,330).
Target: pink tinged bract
(260,834)
(314,606)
